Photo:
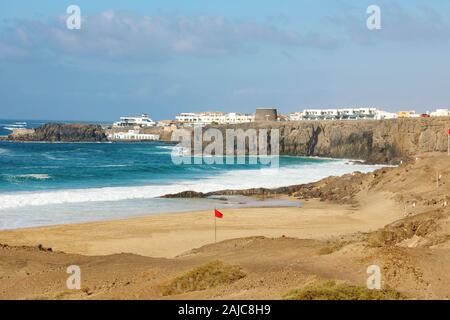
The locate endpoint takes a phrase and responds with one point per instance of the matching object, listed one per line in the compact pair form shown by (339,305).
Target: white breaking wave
(239,179)
(109,166)
(14,125)
(9,128)
(33,176)
(164,150)
(37,176)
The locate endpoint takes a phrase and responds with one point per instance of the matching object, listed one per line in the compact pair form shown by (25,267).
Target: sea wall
(54,132)
(386,141)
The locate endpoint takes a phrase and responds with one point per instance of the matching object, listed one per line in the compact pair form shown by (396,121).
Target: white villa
(342,114)
(440,113)
(142,121)
(295,116)
(205,118)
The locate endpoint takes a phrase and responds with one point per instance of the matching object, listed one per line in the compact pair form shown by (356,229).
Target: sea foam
(238,179)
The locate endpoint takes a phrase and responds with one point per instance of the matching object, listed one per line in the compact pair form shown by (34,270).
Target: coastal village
(132,128)
(143,128)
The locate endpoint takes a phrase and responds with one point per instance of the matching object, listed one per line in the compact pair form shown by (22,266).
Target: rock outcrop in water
(338,189)
(54,132)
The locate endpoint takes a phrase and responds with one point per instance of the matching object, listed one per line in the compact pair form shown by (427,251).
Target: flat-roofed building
(132,135)
(342,114)
(385,115)
(440,113)
(205,118)
(406,114)
(295,116)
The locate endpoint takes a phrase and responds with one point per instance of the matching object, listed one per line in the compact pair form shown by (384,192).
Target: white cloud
(399,24)
(116,35)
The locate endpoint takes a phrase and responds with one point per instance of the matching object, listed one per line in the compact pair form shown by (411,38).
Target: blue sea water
(7,126)
(53,183)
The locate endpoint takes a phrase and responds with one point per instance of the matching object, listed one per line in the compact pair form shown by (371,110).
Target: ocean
(53,183)
(7,126)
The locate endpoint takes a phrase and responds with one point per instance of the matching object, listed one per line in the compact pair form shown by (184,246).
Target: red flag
(449,131)
(218,214)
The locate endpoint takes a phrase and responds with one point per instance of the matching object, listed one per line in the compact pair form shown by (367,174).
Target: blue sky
(165,57)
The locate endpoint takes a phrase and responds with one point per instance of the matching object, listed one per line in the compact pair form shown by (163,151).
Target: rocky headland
(63,132)
(55,132)
(384,142)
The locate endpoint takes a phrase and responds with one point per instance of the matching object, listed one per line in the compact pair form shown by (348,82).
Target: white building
(238,118)
(341,114)
(295,116)
(142,121)
(205,118)
(132,135)
(166,123)
(382,115)
(407,114)
(440,113)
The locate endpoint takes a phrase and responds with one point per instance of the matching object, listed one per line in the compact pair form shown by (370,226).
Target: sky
(166,57)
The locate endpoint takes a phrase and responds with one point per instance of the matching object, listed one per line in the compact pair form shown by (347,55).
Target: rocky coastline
(392,142)
(374,142)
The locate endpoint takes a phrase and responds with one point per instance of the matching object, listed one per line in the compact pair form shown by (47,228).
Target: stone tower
(266,114)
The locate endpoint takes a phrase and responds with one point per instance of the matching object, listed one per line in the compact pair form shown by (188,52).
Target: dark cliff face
(387,141)
(55,132)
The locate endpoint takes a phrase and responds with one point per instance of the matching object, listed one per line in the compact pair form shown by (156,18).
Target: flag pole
(448,142)
(217,214)
(437,180)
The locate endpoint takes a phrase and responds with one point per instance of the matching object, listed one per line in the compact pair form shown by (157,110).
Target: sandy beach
(170,235)
(394,217)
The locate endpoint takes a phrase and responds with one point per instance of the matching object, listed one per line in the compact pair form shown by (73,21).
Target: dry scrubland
(318,251)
